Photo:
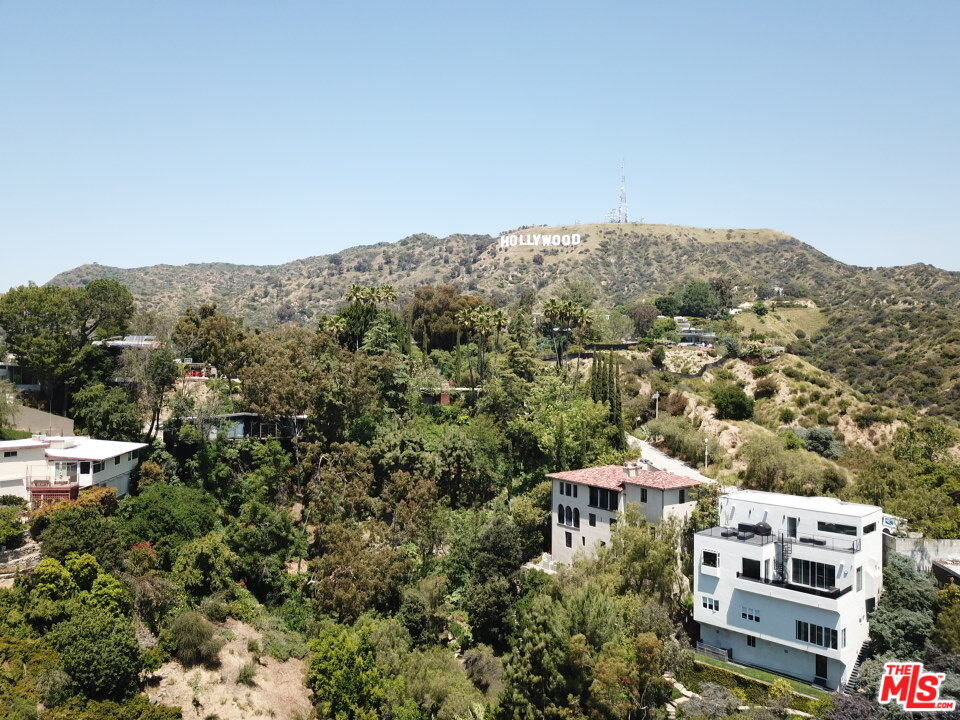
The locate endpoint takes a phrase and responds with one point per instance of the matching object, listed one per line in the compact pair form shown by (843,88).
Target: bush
(284,644)
(247,673)
(658,356)
(787,415)
(766,387)
(822,441)
(168,516)
(193,640)
(100,653)
(79,529)
(761,371)
(754,692)
(676,403)
(732,403)
(11,529)
(12,501)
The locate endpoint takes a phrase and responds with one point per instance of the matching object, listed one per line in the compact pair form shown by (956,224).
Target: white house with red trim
(587,503)
(43,468)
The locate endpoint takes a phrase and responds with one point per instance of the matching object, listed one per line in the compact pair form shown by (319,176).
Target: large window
(711,559)
(604,499)
(749,613)
(710,604)
(816,635)
(814,574)
(751,568)
(567,515)
(9,453)
(867,529)
(836,528)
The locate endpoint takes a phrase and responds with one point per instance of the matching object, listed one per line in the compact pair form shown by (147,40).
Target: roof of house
(20,444)
(613,477)
(95,450)
(801,502)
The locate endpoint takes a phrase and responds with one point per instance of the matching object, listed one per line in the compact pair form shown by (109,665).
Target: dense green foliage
(383,528)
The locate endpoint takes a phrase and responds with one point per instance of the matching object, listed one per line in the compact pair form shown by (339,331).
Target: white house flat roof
(800,502)
(96,450)
(20,444)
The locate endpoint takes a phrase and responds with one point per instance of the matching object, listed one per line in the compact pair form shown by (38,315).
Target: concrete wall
(923,551)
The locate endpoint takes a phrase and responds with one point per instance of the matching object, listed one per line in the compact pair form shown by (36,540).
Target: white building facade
(587,503)
(44,468)
(785,583)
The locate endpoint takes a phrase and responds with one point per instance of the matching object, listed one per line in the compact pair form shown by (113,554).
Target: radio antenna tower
(619,214)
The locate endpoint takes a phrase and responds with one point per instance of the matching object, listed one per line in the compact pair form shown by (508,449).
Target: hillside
(887,331)
(625,260)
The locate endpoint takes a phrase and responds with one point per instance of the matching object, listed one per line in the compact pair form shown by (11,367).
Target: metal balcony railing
(832,592)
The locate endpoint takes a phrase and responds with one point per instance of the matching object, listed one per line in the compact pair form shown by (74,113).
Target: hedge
(753,691)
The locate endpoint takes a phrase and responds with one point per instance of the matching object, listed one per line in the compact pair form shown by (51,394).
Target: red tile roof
(613,477)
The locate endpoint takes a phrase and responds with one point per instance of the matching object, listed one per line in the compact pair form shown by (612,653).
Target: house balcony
(820,542)
(825,598)
(58,476)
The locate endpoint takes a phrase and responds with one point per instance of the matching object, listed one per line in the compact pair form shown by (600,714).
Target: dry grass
(276,691)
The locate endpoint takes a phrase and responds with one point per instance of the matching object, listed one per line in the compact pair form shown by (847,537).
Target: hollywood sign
(530,239)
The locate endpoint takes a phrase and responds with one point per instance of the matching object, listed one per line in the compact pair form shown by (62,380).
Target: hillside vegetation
(889,332)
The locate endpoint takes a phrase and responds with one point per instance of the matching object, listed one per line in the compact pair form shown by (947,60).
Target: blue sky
(134,133)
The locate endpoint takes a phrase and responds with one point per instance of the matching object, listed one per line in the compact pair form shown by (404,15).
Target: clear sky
(134,133)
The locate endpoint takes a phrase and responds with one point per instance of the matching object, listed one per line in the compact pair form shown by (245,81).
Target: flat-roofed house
(785,583)
(43,468)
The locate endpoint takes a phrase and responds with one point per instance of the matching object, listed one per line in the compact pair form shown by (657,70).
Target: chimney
(646,466)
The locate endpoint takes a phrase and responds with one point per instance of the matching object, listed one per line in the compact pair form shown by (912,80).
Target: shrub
(100,653)
(761,371)
(766,387)
(247,673)
(75,528)
(99,497)
(822,441)
(11,529)
(754,692)
(192,639)
(658,356)
(787,415)
(168,516)
(284,644)
(732,403)
(676,403)
(12,501)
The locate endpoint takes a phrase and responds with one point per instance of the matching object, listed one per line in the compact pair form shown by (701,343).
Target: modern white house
(785,583)
(42,468)
(586,503)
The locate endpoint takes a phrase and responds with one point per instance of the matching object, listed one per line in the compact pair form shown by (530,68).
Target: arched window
(576,517)
(569,515)
(560,514)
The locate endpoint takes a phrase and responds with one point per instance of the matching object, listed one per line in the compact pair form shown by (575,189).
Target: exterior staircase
(782,560)
(854,678)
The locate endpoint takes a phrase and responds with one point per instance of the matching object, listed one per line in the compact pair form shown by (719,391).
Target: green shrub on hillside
(732,402)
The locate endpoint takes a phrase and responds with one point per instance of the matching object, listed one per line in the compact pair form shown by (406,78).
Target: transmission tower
(619,213)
